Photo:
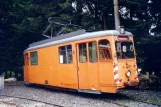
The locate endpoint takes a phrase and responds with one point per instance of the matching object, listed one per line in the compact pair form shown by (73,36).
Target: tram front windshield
(124,50)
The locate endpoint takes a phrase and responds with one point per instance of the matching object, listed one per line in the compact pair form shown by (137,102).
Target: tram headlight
(128,73)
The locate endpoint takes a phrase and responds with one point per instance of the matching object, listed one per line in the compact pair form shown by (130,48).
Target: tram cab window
(92,46)
(124,50)
(104,50)
(65,54)
(82,53)
(34,58)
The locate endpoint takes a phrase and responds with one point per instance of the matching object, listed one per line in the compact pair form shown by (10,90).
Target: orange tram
(92,62)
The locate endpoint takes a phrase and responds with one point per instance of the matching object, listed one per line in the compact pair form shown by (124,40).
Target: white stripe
(94,89)
(117,82)
(116,68)
(136,66)
(116,76)
(136,73)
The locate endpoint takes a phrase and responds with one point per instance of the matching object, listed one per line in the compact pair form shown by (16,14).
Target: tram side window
(92,52)
(33,58)
(104,50)
(65,54)
(82,53)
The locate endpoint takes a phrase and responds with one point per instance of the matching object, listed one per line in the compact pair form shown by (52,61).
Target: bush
(149,82)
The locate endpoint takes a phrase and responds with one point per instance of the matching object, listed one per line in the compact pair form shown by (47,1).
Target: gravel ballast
(63,98)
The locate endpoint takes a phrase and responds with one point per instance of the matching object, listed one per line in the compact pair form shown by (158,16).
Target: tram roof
(73,36)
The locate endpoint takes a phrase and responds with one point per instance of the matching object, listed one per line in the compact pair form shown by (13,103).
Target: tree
(22,23)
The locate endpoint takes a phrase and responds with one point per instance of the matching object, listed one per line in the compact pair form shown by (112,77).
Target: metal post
(116,14)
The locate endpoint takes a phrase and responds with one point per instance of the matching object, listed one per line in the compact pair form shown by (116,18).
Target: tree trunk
(116,14)
(104,21)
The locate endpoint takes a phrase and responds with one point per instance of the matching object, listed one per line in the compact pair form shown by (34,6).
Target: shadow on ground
(103,96)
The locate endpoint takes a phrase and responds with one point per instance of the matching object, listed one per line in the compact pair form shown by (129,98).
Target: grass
(8,74)
(155,101)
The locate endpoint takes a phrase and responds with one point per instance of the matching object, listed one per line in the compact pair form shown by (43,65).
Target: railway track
(57,105)
(8,103)
(159,105)
(122,105)
(13,104)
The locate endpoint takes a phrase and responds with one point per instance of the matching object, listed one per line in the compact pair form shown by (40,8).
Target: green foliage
(149,54)
(8,74)
(149,82)
(22,23)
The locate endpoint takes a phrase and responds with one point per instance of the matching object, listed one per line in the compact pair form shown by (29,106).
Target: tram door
(87,66)
(105,62)
(26,67)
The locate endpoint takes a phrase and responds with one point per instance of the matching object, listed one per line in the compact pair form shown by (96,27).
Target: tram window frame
(110,51)
(34,58)
(119,50)
(96,54)
(65,52)
(83,58)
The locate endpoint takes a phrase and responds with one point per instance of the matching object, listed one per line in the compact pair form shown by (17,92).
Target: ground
(49,97)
